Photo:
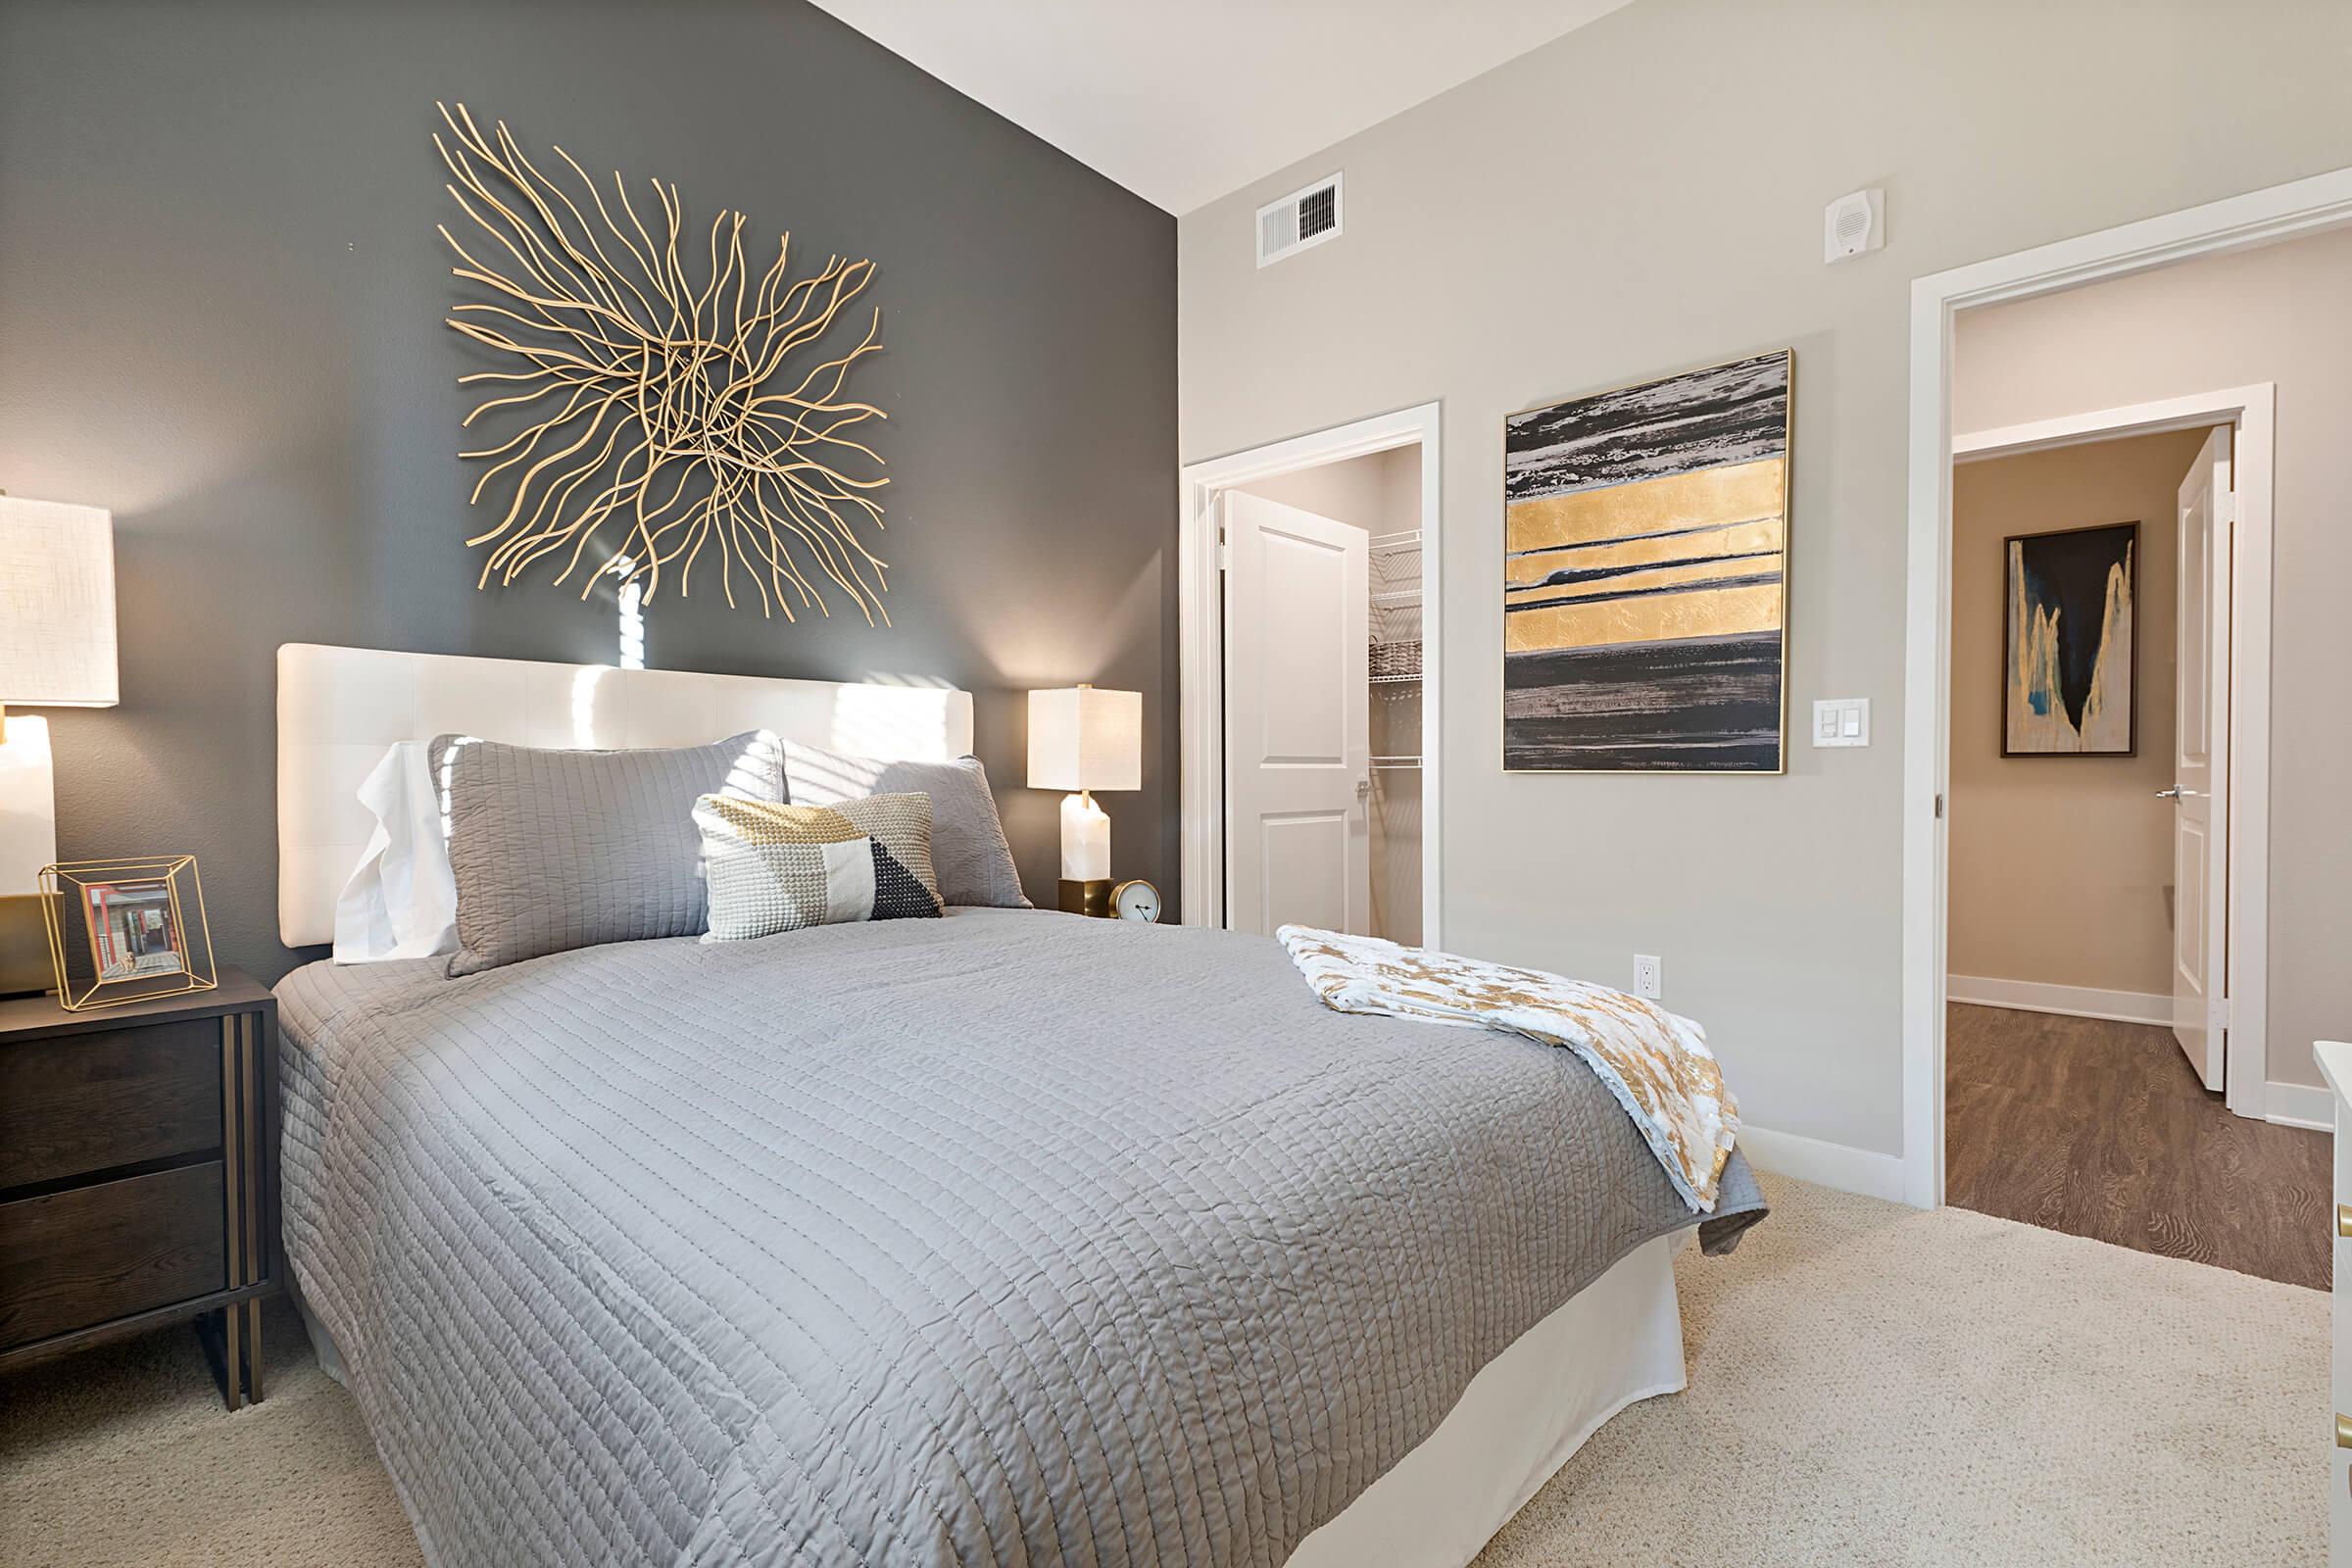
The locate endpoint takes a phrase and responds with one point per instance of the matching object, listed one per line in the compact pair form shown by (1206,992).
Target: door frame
(2238,222)
(1200,645)
(2252,412)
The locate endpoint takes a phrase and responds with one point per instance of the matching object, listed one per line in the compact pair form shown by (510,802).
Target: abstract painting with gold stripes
(1644,576)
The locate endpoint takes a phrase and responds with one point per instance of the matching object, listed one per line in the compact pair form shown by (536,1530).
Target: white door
(2201,761)
(1298,719)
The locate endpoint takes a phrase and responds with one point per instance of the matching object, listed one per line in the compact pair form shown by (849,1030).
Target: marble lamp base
(1085,856)
(28,843)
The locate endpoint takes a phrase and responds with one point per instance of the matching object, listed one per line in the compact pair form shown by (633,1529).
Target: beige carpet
(1869,1384)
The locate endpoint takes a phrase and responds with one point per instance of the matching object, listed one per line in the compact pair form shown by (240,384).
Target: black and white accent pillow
(773,867)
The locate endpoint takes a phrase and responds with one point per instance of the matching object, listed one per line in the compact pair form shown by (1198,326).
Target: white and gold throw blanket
(1656,1064)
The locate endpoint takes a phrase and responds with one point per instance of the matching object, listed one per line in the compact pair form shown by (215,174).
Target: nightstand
(138,1174)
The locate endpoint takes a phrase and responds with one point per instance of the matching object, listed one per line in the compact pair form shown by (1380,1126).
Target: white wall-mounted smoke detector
(1306,217)
(1852,225)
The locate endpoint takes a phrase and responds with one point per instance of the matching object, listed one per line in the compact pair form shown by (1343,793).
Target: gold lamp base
(1091,896)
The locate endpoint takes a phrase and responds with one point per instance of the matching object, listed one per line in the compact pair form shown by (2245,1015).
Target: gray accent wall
(221,308)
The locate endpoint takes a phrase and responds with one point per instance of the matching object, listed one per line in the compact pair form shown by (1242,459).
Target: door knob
(2172,794)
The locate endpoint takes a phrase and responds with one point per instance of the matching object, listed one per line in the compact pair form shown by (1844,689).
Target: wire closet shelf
(1396,582)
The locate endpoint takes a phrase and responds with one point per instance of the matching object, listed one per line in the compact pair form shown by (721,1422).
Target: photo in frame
(126,930)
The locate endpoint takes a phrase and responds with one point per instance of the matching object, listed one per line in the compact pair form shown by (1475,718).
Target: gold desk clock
(1132,900)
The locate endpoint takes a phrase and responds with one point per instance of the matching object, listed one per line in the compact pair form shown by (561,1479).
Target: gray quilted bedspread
(1005,1239)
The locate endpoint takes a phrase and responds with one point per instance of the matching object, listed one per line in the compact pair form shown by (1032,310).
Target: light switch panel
(1842,722)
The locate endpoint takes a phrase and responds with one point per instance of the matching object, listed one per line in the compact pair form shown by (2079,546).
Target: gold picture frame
(126,930)
(1646,592)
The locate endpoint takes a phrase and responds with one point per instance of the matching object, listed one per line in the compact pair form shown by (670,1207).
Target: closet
(1394,805)
(1336,845)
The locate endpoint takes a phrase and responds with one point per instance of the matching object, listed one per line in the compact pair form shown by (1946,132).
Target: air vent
(1304,217)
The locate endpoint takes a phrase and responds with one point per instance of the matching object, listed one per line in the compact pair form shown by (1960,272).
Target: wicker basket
(1399,661)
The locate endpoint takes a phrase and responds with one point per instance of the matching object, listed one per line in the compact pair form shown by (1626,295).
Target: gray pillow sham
(967,838)
(556,849)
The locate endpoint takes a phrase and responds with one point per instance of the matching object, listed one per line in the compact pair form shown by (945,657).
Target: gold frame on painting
(1787,542)
(2010,566)
(77,993)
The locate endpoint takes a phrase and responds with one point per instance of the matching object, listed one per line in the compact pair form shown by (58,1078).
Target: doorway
(2087,1029)
(2240,232)
(2089,707)
(1309,650)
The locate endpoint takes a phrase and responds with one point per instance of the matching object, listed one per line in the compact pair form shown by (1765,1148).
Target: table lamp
(57,650)
(1083,738)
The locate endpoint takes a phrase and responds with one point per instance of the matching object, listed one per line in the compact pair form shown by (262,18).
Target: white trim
(2106,424)
(1809,1159)
(1200,646)
(2247,975)
(1927,694)
(2075,1002)
(2282,212)
(2309,1105)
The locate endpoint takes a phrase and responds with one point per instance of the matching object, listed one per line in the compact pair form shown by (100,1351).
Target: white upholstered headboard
(340,708)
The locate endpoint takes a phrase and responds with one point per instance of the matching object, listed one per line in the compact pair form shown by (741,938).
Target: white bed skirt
(1616,1341)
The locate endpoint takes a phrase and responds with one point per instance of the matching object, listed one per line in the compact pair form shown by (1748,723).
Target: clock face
(1136,901)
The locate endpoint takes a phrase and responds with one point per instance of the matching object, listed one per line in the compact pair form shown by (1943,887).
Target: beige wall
(2284,314)
(1644,195)
(2062,866)
(1379,492)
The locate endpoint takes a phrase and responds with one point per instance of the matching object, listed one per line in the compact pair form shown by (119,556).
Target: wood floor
(2100,1129)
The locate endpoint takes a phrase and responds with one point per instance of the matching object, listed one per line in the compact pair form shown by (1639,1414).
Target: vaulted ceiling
(1182,101)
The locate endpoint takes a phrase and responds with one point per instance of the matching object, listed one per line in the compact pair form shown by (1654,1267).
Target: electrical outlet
(1648,975)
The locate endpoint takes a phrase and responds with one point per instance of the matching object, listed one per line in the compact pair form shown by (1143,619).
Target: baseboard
(1839,1165)
(2299,1105)
(2076,1001)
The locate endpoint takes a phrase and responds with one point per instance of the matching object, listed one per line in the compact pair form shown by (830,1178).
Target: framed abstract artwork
(2070,654)
(1645,592)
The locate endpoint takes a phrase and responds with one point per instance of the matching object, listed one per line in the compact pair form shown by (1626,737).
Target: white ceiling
(1183,101)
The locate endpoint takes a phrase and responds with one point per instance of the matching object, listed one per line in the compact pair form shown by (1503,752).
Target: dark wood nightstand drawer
(122,1097)
(104,1251)
(138,1174)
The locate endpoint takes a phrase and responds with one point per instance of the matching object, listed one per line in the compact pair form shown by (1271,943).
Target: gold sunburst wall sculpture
(672,421)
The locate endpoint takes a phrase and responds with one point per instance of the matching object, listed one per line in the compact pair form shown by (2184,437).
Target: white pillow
(400,901)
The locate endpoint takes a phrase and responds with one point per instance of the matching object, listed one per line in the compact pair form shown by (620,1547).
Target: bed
(1009,1237)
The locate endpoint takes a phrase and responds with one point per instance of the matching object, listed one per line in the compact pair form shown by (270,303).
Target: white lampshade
(57,604)
(1085,738)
